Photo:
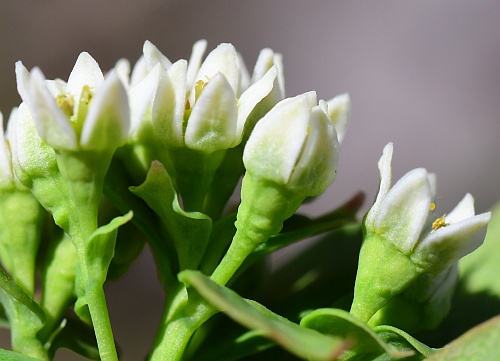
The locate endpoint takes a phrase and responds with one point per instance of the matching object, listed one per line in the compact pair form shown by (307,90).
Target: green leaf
(116,188)
(189,231)
(478,344)
(6,355)
(402,341)
(339,323)
(14,290)
(300,341)
(100,248)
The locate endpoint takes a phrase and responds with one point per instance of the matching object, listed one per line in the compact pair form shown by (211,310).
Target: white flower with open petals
(403,215)
(88,112)
(203,105)
(403,239)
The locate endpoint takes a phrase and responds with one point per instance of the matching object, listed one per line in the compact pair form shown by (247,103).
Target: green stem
(179,326)
(84,173)
(102,325)
(238,251)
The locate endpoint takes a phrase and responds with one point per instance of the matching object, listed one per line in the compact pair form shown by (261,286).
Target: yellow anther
(432,206)
(439,223)
(66,104)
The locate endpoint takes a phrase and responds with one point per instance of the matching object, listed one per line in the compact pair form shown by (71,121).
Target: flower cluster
(159,149)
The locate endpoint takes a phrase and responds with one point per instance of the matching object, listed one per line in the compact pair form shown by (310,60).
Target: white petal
(443,247)
(195,61)
(433,184)
(152,56)
(139,71)
(251,97)
(50,122)
(212,123)
(122,68)
(282,133)
(339,110)
(108,118)
(141,98)
(463,210)
(265,61)
(56,87)
(169,104)
(403,212)
(318,159)
(244,75)
(6,175)
(223,59)
(85,72)
(385,169)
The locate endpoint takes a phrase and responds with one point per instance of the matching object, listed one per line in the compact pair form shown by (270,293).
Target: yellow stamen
(439,223)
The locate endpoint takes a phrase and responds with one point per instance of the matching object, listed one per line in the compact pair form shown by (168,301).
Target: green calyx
(383,272)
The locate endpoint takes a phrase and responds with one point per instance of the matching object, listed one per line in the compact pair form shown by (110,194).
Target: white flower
(295,145)
(88,112)
(402,215)
(204,105)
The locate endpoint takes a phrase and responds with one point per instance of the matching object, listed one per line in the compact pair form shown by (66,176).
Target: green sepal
(189,231)
(16,292)
(366,344)
(402,341)
(305,343)
(478,344)
(6,355)
(21,223)
(383,272)
(58,281)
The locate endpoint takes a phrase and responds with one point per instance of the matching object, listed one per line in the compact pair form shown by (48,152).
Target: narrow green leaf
(305,343)
(339,323)
(6,355)
(14,290)
(189,231)
(403,341)
(478,344)
(100,248)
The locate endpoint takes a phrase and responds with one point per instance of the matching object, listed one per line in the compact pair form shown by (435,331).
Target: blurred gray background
(422,74)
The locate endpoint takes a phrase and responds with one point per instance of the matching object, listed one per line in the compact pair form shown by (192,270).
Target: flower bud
(295,145)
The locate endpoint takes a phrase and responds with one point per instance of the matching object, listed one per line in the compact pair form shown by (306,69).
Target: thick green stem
(264,206)
(181,318)
(84,173)
(102,325)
